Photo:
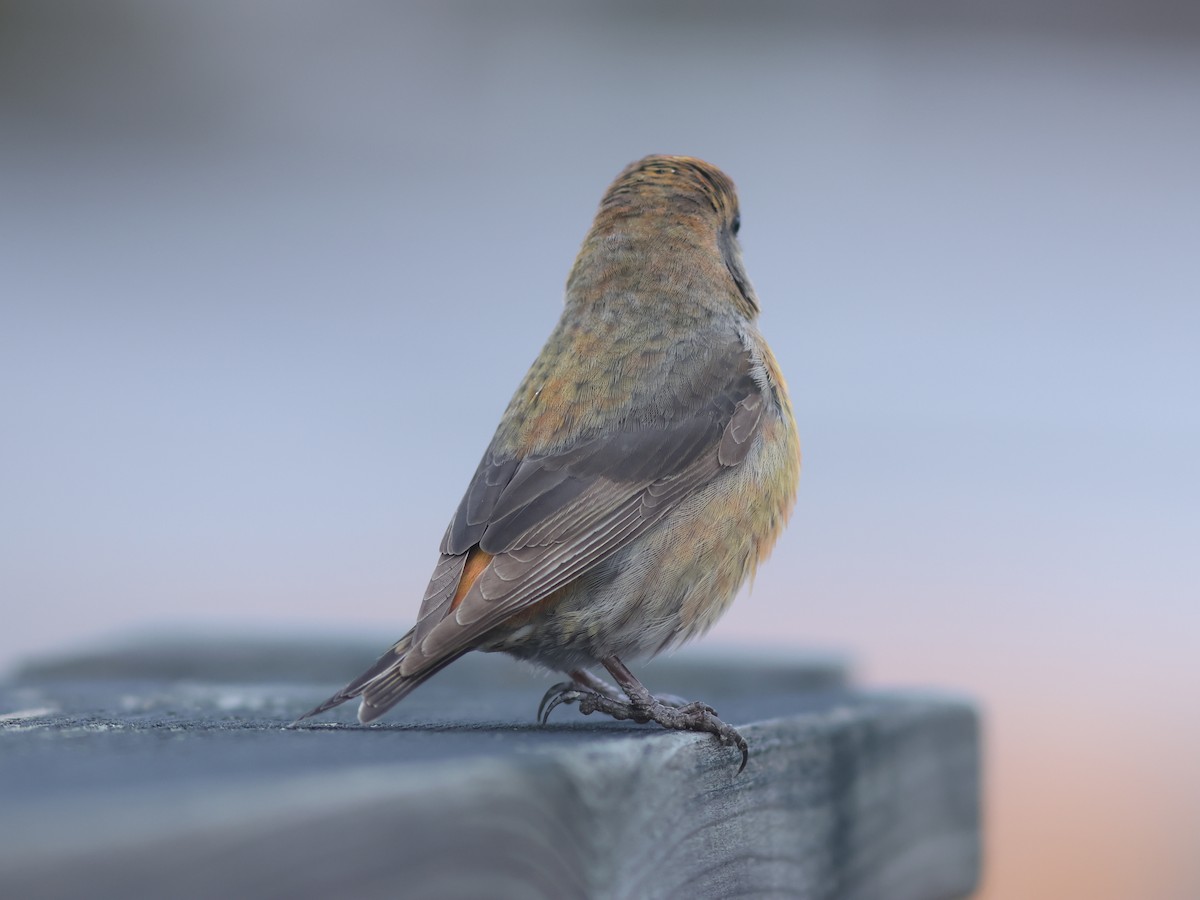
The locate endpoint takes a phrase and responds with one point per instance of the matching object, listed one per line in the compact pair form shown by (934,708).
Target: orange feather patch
(477,561)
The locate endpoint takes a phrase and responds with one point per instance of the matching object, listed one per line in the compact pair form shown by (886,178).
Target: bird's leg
(641,706)
(645,707)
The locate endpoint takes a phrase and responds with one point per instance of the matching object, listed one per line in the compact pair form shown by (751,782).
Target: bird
(645,466)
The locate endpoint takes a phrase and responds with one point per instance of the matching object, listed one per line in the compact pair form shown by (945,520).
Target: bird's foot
(564,692)
(584,682)
(669,713)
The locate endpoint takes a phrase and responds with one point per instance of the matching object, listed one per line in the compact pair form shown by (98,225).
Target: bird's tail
(382,686)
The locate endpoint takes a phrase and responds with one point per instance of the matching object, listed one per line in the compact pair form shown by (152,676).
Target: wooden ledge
(122,778)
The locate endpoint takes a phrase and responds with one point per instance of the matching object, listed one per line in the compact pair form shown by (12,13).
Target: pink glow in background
(270,273)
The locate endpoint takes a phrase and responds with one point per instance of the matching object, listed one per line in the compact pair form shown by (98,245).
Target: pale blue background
(270,272)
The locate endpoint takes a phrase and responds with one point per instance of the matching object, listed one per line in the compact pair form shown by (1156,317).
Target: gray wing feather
(735,441)
(526,574)
(548,519)
(439,593)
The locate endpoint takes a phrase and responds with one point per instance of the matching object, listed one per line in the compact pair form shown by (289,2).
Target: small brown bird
(644,467)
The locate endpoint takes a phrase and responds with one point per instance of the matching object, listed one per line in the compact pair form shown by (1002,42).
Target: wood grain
(199,793)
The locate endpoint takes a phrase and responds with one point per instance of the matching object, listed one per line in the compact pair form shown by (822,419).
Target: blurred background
(269,273)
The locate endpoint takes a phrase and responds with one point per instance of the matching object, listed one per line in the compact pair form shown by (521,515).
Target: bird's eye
(737,224)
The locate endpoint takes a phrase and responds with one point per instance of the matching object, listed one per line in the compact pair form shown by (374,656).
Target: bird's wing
(539,522)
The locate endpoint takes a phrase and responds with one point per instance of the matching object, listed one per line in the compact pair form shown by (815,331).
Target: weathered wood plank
(138,784)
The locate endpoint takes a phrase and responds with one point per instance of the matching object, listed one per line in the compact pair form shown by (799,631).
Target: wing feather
(549,518)
(439,594)
(519,578)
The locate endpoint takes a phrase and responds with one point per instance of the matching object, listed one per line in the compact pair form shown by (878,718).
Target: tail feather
(386,672)
(390,687)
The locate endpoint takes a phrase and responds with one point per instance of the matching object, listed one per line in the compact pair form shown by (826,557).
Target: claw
(729,735)
(559,699)
(563,692)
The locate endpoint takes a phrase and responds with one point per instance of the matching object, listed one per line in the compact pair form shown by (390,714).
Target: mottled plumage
(645,465)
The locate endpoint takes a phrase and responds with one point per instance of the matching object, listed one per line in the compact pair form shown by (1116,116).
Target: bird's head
(669,209)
